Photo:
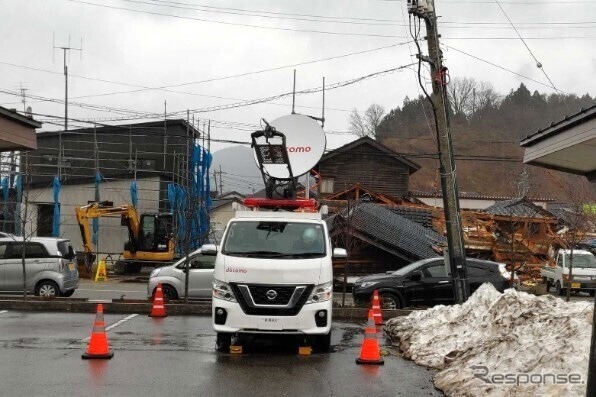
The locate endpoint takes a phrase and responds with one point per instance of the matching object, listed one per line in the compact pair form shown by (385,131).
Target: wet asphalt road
(40,354)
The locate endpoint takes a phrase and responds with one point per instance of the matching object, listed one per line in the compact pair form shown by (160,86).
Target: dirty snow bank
(521,341)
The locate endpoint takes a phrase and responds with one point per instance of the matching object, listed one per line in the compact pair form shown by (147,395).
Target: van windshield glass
(582,261)
(274,239)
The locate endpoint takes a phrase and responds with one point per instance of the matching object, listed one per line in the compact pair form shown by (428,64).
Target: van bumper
(305,322)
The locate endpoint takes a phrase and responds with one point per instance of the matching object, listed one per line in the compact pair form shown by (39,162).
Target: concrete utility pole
(457,256)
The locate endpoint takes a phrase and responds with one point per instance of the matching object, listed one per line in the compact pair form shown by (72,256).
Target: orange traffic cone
(370,353)
(98,345)
(158,309)
(376,308)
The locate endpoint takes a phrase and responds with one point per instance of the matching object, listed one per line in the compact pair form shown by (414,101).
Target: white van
(274,275)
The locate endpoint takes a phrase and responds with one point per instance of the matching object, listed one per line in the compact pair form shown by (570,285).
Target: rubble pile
(500,344)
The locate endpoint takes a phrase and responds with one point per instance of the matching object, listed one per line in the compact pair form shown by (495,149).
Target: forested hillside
(486,130)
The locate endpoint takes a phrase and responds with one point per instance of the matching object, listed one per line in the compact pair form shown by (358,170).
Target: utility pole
(425,9)
(220,181)
(65,50)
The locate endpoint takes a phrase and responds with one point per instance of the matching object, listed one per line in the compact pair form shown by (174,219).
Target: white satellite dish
(305,142)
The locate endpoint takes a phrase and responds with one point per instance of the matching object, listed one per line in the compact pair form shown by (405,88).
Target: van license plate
(71,266)
(270,323)
(576,285)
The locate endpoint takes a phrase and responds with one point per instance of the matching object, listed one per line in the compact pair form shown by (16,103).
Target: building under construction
(155,166)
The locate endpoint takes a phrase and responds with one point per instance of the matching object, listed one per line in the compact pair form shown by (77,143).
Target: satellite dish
(305,142)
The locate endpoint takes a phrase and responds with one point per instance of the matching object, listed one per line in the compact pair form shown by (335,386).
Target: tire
(390,301)
(321,343)
(560,291)
(169,292)
(47,289)
(547,283)
(223,342)
(69,293)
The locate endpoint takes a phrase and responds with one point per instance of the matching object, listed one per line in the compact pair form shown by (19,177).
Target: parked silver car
(172,277)
(49,266)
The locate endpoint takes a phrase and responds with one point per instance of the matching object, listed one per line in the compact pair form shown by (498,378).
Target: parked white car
(584,272)
(172,278)
(50,270)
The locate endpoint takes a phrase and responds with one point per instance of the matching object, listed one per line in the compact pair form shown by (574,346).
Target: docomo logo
(299,149)
(235,270)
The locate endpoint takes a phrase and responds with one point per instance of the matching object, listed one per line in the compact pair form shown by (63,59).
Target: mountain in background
(239,171)
(486,130)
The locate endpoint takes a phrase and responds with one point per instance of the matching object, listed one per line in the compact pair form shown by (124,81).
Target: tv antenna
(65,50)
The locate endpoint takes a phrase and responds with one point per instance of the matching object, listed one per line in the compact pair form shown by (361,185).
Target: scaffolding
(140,164)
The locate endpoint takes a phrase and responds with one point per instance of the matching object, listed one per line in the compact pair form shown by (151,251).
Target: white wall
(112,236)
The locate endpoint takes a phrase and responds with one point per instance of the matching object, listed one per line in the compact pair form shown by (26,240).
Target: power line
(502,68)
(235,23)
(538,64)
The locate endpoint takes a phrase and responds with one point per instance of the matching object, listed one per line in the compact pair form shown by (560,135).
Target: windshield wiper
(268,254)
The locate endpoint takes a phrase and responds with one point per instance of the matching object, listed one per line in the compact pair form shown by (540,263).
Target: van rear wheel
(47,289)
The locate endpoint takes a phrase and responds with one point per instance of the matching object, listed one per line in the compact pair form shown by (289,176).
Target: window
(327,185)
(437,270)
(3,249)
(33,250)
(203,262)
(45,219)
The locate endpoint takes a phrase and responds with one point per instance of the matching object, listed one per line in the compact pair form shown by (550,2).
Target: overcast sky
(204,54)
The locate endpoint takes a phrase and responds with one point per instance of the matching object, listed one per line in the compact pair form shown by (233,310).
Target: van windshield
(582,261)
(274,239)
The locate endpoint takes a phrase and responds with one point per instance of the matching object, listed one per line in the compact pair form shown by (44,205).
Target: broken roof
(392,232)
(519,207)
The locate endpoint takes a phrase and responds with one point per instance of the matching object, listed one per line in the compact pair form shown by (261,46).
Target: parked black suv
(425,283)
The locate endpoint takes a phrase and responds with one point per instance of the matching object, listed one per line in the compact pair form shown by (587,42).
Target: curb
(174,309)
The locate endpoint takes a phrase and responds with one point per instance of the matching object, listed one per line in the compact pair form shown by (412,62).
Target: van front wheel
(223,342)
(322,343)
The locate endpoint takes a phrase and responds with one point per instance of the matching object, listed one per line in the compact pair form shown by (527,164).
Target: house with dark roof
(368,163)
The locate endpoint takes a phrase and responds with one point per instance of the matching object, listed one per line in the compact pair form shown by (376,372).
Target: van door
(201,276)
(34,263)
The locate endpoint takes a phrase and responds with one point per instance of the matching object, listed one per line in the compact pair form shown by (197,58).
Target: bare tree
(460,92)
(367,125)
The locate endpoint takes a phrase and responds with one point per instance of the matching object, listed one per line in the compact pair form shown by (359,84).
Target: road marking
(3,311)
(125,319)
(116,324)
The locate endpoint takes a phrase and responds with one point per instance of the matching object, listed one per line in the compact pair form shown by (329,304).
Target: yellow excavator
(150,243)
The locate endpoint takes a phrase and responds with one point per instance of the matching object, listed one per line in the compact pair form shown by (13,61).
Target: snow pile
(519,344)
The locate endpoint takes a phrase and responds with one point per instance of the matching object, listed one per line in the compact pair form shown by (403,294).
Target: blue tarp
(19,197)
(56,221)
(191,205)
(134,194)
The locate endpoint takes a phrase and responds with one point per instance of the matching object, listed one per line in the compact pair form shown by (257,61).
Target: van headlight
(321,293)
(223,291)
(155,272)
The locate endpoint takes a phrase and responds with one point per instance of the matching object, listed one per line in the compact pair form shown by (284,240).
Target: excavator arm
(98,210)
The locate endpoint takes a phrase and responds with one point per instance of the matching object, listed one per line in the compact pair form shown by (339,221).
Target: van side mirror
(209,249)
(340,253)
(416,275)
